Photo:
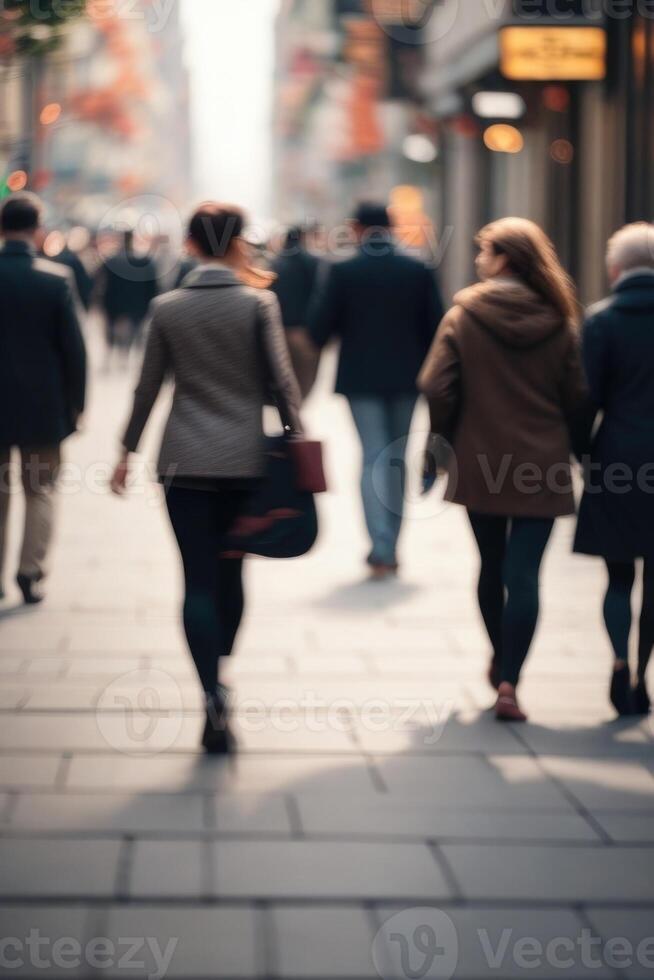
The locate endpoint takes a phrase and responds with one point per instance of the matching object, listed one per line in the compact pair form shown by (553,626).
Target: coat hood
(513,312)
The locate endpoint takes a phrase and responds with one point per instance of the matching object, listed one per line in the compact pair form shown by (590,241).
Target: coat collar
(207,276)
(15,247)
(635,279)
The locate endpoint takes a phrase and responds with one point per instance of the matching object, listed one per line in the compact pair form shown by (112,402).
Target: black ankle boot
(620,694)
(31,588)
(217,738)
(642,703)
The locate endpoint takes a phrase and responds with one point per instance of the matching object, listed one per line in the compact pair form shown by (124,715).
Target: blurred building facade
(104,118)
(349,122)
(546,111)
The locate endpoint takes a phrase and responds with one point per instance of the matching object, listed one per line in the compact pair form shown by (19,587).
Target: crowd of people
(517,386)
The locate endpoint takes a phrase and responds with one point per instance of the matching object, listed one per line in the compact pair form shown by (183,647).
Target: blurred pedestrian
(219,339)
(616,518)
(83,279)
(42,382)
(505,386)
(296,271)
(384,307)
(127,284)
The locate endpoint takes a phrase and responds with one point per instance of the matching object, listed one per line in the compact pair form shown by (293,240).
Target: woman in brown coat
(506,391)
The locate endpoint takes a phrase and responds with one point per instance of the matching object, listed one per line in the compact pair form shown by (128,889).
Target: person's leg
(199,519)
(304,358)
(642,703)
(618,617)
(526,544)
(490,533)
(370,419)
(39,469)
(230,600)
(5,498)
(617,608)
(399,417)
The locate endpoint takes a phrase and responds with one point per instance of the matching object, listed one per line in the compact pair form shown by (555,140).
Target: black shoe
(620,693)
(217,738)
(31,588)
(642,703)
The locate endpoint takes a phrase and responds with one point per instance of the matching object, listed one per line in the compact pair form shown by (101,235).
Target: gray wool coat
(223,345)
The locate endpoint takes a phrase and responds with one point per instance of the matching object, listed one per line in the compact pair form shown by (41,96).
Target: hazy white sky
(230,55)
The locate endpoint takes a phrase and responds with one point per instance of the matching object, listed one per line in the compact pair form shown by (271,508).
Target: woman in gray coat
(223,343)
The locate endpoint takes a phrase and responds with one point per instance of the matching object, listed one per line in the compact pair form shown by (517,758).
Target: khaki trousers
(38,468)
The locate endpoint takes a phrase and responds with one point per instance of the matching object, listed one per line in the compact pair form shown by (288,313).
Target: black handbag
(278,520)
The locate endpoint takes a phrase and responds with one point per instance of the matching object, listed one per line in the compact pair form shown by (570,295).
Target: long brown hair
(532,257)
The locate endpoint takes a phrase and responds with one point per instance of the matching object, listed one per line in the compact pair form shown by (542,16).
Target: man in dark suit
(127,284)
(385,308)
(297,273)
(42,380)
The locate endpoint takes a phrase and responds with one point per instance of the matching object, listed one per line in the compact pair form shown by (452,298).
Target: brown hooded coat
(506,389)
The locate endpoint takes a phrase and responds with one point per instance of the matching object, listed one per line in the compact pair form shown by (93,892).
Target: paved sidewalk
(376,821)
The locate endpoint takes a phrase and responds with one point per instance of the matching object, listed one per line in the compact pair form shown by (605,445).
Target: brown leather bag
(308,464)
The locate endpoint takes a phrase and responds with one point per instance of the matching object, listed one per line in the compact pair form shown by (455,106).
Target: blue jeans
(383,424)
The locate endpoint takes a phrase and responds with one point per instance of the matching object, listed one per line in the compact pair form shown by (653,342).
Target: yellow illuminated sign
(553,53)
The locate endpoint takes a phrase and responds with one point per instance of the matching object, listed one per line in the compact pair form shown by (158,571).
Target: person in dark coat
(42,380)
(616,518)
(385,308)
(83,280)
(297,272)
(127,284)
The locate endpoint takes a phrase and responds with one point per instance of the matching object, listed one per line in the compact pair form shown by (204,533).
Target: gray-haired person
(616,520)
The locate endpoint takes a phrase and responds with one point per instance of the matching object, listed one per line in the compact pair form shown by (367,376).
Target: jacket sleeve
(440,378)
(284,385)
(434,310)
(596,359)
(325,311)
(156,363)
(578,406)
(72,351)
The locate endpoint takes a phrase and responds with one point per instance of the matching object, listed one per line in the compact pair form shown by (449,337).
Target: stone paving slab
(58,925)
(434,819)
(204,943)
(65,868)
(570,874)
(629,936)
(323,941)
(478,943)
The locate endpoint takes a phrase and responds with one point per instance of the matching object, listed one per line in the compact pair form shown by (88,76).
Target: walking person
(384,307)
(297,272)
(219,340)
(42,382)
(505,387)
(616,518)
(127,284)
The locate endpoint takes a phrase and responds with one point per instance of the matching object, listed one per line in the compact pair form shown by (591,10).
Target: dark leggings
(214,601)
(511,552)
(617,611)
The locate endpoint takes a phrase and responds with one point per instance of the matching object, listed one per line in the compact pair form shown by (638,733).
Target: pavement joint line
(216,834)
(581,911)
(63,770)
(266,942)
(208,812)
(446,869)
(208,882)
(381,904)
(294,817)
(122,880)
(571,797)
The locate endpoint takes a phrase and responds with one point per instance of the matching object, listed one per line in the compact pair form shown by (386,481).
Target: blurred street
(370,785)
